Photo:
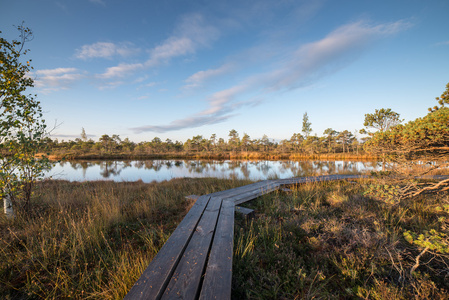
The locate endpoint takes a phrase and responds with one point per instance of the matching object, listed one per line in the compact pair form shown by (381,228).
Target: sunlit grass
(92,239)
(325,240)
(328,241)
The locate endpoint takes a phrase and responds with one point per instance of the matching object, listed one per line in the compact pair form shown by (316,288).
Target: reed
(251,155)
(330,241)
(91,239)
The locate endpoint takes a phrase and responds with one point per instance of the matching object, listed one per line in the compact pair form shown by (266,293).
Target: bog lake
(161,170)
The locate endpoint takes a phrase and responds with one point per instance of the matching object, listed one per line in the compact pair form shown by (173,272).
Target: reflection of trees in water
(110,168)
(245,171)
(227,168)
(107,168)
(155,165)
(305,168)
(320,167)
(198,166)
(234,165)
(139,164)
(148,164)
(127,164)
(264,167)
(195,167)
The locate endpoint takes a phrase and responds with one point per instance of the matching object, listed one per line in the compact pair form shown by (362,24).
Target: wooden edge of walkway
(186,280)
(218,277)
(155,278)
(196,260)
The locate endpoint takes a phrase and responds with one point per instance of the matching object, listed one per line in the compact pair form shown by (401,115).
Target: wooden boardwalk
(196,261)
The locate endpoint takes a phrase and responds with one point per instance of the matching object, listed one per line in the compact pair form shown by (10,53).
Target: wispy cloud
(191,122)
(221,107)
(71,136)
(121,70)
(197,79)
(191,34)
(445,43)
(301,67)
(102,2)
(110,85)
(105,50)
(339,48)
(51,80)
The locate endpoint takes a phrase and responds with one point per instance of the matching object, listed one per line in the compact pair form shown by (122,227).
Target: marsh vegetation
(323,240)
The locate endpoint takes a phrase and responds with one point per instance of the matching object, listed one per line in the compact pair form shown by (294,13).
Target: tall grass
(325,240)
(91,240)
(251,155)
(329,241)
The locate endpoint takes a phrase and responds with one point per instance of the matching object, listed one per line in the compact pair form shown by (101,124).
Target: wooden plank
(299,180)
(267,188)
(238,199)
(247,212)
(274,185)
(241,189)
(185,282)
(176,271)
(217,282)
(155,278)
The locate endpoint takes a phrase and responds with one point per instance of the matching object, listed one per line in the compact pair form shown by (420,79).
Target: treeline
(331,143)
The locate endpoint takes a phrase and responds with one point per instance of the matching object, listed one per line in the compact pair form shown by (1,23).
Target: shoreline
(209,155)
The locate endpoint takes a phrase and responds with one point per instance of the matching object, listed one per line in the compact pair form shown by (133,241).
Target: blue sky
(176,69)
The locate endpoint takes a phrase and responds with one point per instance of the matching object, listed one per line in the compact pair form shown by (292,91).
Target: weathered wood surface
(253,194)
(185,282)
(196,261)
(242,189)
(155,278)
(299,180)
(247,212)
(218,278)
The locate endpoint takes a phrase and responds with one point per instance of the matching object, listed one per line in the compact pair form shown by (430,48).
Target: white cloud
(105,50)
(143,97)
(51,80)
(221,107)
(191,34)
(219,101)
(110,85)
(339,48)
(442,43)
(151,84)
(121,70)
(198,78)
(71,136)
(303,66)
(98,2)
(190,122)
(172,47)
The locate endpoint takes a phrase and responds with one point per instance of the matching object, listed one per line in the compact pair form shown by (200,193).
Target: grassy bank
(331,241)
(326,241)
(73,155)
(93,239)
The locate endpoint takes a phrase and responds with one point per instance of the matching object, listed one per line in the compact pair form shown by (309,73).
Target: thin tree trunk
(7,205)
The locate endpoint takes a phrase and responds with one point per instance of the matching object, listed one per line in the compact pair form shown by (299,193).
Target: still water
(160,170)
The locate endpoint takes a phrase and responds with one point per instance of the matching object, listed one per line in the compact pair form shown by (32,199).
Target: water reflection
(159,170)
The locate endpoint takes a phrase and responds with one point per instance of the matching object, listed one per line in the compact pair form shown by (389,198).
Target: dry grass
(93,239)
(325,240)
(328,241)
